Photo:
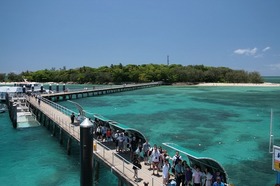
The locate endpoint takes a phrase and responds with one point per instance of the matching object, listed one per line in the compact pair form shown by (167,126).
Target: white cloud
(258,56)
(246,51)
(266,48)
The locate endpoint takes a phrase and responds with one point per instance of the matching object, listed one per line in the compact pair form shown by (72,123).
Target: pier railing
(59,114)
(62,109)
(123,166)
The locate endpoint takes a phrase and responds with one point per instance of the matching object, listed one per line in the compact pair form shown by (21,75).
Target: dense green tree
(12,77)
(2,77)
(255,77)
(119,74)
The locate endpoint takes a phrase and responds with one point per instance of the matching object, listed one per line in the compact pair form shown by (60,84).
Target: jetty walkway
(96,90)
(57,119)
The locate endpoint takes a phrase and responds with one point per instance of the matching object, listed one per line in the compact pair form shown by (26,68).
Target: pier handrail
(61,121)
(122,165)
(57,106)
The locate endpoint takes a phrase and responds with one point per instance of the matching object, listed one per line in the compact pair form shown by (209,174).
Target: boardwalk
(120,166)
(70,94)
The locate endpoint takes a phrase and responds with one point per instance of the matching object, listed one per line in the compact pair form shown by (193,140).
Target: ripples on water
(231,124)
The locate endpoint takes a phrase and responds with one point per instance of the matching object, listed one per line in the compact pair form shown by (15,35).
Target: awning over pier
(196,159)
(121,127)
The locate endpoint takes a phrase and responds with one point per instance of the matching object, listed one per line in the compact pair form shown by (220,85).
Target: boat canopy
(10,89)
(195,159)
(118,126)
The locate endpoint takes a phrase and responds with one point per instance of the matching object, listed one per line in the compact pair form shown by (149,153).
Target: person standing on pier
(218,182)
(155,159)
(72,118)
(146,148)
(39,100)
(165,172)
(136,166)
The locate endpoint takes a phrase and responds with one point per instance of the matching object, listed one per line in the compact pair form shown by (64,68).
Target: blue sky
(239,34)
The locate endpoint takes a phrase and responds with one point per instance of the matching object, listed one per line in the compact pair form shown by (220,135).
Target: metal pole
(271,138)
(24,89)
(86,137)
(42,88)
(123,167)
(113,158)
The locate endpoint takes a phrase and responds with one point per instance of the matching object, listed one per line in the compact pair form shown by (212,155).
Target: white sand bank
(241,84)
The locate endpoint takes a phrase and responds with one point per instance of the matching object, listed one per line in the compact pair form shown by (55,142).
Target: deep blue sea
(229,124)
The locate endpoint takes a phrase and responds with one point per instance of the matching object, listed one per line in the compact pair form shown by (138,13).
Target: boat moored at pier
(11,90)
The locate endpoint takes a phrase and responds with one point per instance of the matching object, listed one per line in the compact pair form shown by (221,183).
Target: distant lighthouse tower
(167,60)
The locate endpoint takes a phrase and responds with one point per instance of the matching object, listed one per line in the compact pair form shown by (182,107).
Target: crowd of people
(178,168)
(158,159)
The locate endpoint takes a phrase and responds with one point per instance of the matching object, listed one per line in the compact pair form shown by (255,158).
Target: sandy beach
(266,84)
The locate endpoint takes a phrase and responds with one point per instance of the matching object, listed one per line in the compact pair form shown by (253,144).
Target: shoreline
(265,84)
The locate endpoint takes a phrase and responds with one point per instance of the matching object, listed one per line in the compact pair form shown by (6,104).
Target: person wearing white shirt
(197,176)
(155,158)
(165,172)
(208,177)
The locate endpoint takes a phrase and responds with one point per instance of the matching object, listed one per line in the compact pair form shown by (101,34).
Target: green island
(118,74)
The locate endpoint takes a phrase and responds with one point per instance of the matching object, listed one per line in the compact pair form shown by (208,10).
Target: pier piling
(86,137)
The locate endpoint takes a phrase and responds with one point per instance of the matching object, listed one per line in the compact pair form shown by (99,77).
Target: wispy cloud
(275,66)
(266,48)
(258,56)
(246,51)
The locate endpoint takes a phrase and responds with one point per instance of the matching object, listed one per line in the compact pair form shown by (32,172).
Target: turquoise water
(230,124)
(271,79)
(32,157)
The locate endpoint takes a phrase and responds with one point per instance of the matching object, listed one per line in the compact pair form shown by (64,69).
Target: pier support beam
(86,140)
(120,182)
(53,132)
(60,136)
(45,119)
(69,146)
(96,166)
(14,115)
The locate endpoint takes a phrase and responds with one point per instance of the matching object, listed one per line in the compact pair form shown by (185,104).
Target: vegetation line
(118,74)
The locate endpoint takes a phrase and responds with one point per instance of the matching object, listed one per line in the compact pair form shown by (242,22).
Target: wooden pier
(95,91)
(57,119)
